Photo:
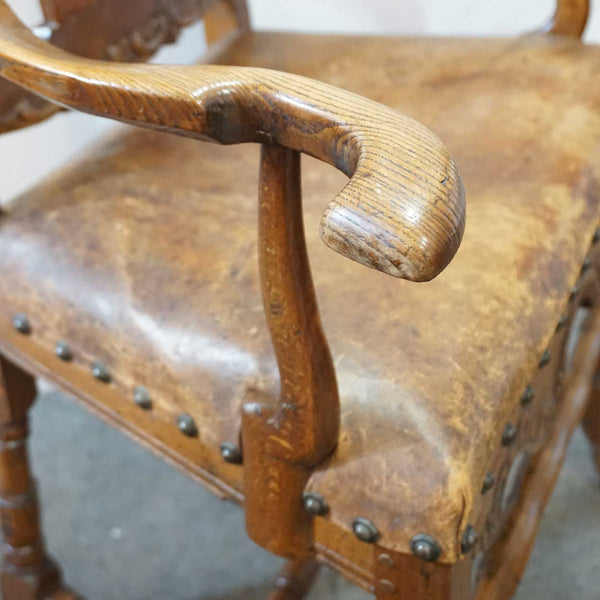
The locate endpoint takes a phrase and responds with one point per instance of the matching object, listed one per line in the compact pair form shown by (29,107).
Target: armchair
(414,455)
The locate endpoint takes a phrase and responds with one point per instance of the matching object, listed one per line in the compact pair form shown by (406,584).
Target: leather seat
(143,256)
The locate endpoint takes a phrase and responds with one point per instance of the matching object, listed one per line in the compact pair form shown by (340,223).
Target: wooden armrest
(403,210)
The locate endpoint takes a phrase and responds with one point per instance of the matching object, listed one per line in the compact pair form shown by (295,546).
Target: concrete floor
(125,526)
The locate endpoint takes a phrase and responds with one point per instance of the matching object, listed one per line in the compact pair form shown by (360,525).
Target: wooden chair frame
(288,115)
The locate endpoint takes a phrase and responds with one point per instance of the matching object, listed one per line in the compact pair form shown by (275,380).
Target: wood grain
(284,441)
(570,18)
(110,30)
(403,210)
(27,572)
(308,394)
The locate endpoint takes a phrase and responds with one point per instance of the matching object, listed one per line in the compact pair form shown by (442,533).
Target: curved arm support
(570,18)
(403,210)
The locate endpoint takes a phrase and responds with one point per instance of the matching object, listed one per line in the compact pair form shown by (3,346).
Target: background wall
(30,154)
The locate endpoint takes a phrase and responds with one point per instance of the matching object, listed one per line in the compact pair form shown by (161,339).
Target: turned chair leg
(27,572)
(295,579)
(591,419)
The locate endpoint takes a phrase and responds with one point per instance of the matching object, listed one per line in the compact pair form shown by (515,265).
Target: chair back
(124,31)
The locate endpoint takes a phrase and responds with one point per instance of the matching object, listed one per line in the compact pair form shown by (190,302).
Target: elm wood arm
(402,212)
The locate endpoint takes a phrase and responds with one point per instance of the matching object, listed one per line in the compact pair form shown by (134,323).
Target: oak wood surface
(111,30)
(403,210)
(283,442)
(570,18)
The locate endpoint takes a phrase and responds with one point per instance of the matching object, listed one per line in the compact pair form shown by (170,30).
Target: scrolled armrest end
(407,224)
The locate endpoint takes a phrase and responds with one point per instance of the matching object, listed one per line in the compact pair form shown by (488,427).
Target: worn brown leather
(144,256)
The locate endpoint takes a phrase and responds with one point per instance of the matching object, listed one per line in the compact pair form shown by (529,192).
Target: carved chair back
(110,30)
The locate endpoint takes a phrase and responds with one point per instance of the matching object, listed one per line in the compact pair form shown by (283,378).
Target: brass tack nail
(488,483)
(509,435)
(100,372)
(386,586)
(469,539)
(587,263)
(562,321)
(527,396)
(231,453)
(63,351)
(423,546)
(365,530)
(187,425)
(45,30)
(141,396)
(386,560)
(546,357)
(315,504)
(574,292)
(21,323)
